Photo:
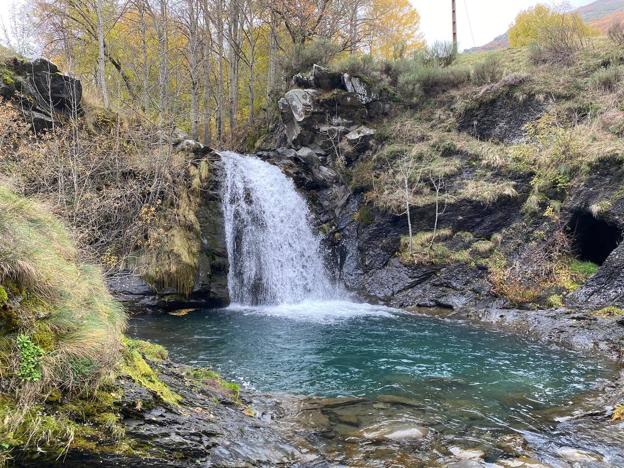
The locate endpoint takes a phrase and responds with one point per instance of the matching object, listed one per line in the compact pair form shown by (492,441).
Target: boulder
(355,85)
(308,156)
(360,134)
(325,79)
(295,107)
(44,95)
(355,143)
(320,78)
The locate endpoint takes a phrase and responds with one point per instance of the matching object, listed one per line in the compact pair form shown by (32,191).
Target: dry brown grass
(119,184)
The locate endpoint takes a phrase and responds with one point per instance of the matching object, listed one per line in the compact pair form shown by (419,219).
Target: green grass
(60,329)
(583,269)
(213,379)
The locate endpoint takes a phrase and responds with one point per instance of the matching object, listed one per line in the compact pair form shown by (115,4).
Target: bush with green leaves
(29,359)
(441,53)
(607,79)
(303,56)
(488,71)
(417,80)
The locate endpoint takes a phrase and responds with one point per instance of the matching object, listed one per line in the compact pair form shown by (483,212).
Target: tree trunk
(193,67)
(163,75)
(272,56)
(220,81)
(234,63)
(252,84)
(101,61)
(207,136)
(145,98)
(353,28)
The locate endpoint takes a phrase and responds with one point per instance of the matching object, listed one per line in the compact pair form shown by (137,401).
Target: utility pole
(454,8)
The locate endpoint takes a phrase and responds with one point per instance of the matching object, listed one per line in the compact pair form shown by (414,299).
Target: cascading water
(275,258)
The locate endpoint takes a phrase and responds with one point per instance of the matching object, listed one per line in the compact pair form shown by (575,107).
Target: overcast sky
(489,18)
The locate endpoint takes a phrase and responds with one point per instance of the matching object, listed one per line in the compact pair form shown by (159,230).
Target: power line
(474,44)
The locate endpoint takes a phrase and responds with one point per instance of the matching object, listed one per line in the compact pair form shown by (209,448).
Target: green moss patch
(135,367)
(610,311)
(213,380)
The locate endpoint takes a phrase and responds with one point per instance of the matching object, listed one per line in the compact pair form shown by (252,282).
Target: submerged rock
(467,454)
(206,429)
(398,431)
(576,455)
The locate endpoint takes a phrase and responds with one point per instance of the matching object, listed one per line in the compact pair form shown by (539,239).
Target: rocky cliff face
(41,91)
(331,124)
(47,100)
(210,286)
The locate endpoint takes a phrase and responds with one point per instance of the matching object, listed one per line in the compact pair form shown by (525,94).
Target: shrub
(441,53)
(302,57)
(616,33)
(553,36)
(419,80)
(606,79)
(488,71)
(357,65)
(555,301)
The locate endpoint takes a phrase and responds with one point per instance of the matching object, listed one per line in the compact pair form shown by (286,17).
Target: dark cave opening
(592,239)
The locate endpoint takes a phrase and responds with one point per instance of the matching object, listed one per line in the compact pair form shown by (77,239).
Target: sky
(488,18)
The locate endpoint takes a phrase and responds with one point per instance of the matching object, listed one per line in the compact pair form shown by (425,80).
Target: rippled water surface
(345,349)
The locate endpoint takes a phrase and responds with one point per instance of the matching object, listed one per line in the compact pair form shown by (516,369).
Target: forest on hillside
(209,66)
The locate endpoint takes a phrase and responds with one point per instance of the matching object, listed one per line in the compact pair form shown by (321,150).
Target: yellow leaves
(534,23)
(394,31)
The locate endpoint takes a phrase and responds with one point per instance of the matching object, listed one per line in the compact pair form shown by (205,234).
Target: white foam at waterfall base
(274,256)
(326,312)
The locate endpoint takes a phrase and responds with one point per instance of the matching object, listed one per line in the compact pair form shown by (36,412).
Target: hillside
(600,14)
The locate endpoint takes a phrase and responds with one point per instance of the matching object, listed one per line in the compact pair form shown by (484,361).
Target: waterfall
(274,256)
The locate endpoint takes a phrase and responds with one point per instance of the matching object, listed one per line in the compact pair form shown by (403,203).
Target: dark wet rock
(575,330)
(211,289)
(500,114)
(606,287)
(201,431)
(399,400)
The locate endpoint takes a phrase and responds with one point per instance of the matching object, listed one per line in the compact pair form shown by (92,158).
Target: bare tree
(207,57)
(194,59)
(234,59)
(101,61)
